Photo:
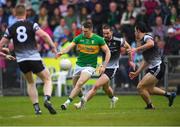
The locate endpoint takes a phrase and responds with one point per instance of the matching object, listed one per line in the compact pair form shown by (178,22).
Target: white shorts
(78,70)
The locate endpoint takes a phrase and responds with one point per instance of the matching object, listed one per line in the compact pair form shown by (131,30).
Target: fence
(13,83)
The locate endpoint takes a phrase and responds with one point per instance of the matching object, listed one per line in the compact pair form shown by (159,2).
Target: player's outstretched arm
(107,52)
(4,51)
(131,56)
(149,44)
(66,50)
(47,39)
(143,65)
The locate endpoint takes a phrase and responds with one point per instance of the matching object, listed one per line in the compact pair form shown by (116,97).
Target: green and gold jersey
(88,49)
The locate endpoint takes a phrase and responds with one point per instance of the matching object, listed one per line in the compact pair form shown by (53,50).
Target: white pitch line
(18,116)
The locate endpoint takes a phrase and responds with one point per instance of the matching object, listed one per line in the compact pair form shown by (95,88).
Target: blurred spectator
(166,7)
(3,27)
(150,5)
(35,5)
(160,43)
(12,19)
(137,5)
(71,16)
(142,17)
(75,30)
(53,21)
(2,3)
(113,14)
(122,73)
(128,30)
(42,15)
(8,7)
(152,19)
(3,16)
(176,26)
(51,5)
(59,30)
(31,15)
(159,29)
(63,7)
(172,45)
(128,13)
(90,4)
(173,16)
(44,49)
(25,2)
(83,15)
(98,18)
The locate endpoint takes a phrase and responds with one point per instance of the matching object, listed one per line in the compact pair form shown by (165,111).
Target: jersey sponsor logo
(89,49)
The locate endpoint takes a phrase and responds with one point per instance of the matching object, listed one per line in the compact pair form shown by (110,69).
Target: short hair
(141,27)
(20,10)
(88,25)
(106,26)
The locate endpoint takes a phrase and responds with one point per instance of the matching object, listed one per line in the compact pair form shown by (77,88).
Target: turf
(129,111)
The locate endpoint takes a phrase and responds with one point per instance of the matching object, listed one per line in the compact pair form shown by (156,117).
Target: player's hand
(59,54)
(101,69)
(131,51)
(5,50)
(9,57)
(132,65)
(54,50)
(132,75)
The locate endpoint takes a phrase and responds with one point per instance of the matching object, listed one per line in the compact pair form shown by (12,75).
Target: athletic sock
(80,94)
(68,101)
(167,94)
(111,96)
(47,98)
(36,106)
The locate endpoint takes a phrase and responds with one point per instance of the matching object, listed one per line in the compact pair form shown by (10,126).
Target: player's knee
(79,83)
(78,86)
(140,87)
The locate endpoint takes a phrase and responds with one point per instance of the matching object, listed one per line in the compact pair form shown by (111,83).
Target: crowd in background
(62,20)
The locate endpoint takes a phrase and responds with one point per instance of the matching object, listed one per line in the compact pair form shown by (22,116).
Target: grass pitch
(18,111)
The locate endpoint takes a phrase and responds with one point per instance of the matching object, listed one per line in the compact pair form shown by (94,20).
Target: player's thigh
(29,77)
(44,75)
(148,81)
(84,77)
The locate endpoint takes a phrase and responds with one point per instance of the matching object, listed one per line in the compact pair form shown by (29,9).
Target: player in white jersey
(156,67)
(114,42)
(22,33)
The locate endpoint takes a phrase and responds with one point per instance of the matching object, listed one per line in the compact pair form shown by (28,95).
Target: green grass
(129,111)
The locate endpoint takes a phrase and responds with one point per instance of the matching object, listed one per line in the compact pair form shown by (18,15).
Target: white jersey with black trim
(151,56)
(114,46)
(23,35)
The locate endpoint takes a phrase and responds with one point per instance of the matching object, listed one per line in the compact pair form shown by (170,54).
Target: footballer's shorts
(31,66)
(110,72)
(78,70)
(158,71)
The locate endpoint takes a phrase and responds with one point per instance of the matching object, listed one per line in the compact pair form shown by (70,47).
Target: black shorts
(158,71)
(30,65)
(110,72)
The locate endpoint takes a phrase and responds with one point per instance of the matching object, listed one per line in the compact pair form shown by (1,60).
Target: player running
(88,45)
(28,58)
(156,67)
(114,42)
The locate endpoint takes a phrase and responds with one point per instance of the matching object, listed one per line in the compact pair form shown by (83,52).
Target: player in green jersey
(89,45)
